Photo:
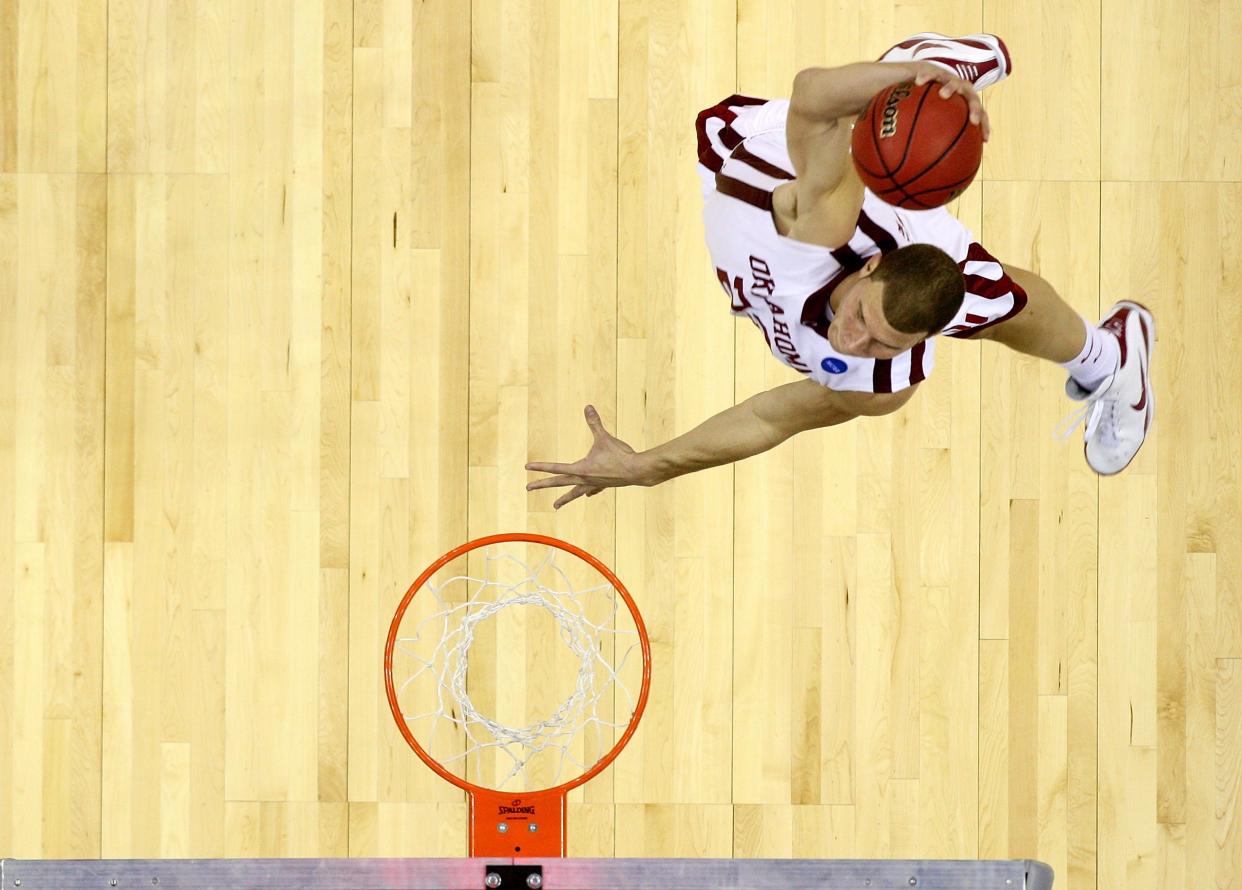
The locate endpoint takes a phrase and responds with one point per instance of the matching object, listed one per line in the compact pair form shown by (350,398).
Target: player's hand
(954,84)
(610,463)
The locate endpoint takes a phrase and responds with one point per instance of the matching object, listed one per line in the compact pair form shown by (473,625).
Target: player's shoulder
(771,115)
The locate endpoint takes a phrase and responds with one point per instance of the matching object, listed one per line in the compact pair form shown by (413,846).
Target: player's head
(894,303)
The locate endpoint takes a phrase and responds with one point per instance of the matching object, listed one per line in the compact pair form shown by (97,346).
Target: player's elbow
(872,404)
(813,89)
(803,80)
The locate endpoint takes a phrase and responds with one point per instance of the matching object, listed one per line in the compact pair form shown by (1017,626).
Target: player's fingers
(933,72)
(950,84)
(973,103)
(976,107)
(538,467)
(593,421)
(554,482)
(570,495)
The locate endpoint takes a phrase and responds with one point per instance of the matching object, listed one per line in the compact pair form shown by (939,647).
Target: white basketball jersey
(783,285)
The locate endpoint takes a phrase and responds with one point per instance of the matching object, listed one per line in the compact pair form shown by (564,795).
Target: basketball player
(850,291)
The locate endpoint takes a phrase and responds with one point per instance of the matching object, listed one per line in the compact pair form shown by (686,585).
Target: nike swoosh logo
(1142,402)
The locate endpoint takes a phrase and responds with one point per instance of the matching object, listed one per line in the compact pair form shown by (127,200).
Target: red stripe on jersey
(989,288)
(882,375)
(1019,303)
(743,154)
(917,372)
(971,318)
(744,191)
(708,157)
(881,236)
(976,254)
(847,257)
(814,315)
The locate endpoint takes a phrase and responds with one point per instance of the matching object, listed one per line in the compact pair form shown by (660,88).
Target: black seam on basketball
(924,204)
(904,194)
(867,170)
(875,140)
(948,148)
(940,188)
(858,163)
(898,187)
(910,130)
(907,197)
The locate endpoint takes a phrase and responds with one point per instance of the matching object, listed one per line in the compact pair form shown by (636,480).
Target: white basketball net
(579,731)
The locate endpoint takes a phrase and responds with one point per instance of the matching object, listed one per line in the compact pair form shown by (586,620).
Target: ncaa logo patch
(834,365)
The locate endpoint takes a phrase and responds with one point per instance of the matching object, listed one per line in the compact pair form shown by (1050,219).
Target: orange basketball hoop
(443,699)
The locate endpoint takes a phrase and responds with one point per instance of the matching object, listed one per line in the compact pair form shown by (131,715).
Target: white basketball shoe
(981,59)
(1120,410)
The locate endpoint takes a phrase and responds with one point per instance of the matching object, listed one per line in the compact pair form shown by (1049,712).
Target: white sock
(1099,358)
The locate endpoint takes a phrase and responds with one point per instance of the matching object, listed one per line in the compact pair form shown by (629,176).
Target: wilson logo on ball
(914,148)
(888,125)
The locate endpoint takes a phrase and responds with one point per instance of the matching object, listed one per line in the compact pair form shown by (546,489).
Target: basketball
(914,149)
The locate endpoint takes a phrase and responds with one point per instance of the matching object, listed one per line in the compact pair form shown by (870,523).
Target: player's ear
(870,266)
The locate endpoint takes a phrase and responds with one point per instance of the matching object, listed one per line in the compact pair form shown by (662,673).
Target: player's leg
(1108,365)
(1047,327)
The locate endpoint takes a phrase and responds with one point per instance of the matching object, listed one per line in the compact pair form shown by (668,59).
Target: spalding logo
(833,365)
(888,120)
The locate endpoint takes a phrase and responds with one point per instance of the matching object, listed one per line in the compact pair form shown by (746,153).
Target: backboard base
(555,874)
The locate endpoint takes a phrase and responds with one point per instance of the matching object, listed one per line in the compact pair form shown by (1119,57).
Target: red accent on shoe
(1115,324)
(1142,402)
(1005,52)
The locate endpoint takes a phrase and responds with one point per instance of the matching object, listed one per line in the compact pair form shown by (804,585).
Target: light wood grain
(290,292)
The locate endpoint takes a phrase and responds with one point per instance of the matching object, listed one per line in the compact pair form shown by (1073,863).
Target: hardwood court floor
(290,292)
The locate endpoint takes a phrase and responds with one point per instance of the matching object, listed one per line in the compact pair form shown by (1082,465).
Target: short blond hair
(923,288)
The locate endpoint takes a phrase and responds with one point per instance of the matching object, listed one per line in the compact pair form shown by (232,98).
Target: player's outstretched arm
(828,94)
(761,422)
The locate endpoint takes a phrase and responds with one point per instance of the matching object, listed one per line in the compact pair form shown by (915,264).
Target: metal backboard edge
(558,874)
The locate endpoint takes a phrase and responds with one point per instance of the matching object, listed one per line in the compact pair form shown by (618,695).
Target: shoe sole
(1150,340)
